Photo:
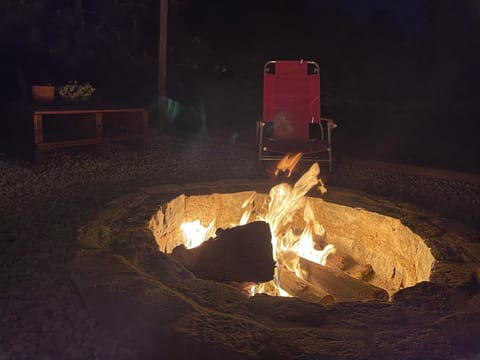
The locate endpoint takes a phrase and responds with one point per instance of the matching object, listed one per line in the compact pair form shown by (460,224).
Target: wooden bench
(59,127)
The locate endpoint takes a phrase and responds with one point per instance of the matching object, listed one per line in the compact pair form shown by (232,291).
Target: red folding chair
(291,114)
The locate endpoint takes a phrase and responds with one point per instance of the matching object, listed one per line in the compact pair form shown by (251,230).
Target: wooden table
(59,127)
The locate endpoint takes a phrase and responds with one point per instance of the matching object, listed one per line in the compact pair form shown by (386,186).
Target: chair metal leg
(260,125)
(329,139)
(330,160)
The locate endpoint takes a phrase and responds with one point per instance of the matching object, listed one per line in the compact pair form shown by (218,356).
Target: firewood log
(302,289)
(241,253)
(340,285)
(361,272)
(346,264)
(338,261)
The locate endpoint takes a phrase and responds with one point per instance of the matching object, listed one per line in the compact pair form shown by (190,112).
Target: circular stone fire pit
(158,308)
(399,257)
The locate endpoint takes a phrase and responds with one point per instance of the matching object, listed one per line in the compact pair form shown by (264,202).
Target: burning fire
(195,233)
(288,163)
(288,245)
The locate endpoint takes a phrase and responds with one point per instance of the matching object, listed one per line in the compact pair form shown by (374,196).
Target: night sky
(403,11)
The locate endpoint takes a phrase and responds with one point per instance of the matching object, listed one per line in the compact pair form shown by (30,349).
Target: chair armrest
(330,122)
(264,129)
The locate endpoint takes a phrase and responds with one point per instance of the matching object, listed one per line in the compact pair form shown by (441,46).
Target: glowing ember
(288,245)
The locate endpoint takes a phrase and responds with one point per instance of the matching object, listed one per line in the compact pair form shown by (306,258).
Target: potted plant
(73,91)
(43,94)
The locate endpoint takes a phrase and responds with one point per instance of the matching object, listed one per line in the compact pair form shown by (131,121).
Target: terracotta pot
(43,94)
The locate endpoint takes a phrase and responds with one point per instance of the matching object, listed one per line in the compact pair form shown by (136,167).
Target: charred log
(340,285)
(241,253)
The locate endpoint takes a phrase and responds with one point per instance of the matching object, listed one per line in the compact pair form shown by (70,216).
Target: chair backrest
(291,97)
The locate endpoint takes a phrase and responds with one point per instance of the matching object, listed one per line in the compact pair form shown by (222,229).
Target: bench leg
(38,157)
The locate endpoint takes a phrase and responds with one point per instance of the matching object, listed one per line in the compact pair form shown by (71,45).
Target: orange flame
(195,233)
(284,203)
(288,163)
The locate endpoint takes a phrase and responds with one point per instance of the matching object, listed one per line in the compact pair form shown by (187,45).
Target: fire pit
(370,246)
(157,307)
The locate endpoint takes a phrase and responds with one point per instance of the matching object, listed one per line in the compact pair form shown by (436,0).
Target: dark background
(401,78)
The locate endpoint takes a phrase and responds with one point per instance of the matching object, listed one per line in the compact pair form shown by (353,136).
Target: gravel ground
(41,207)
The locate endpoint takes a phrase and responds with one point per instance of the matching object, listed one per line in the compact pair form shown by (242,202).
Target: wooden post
(162,61)
(98,125)
(38,128)
(144,122)
(98,131)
